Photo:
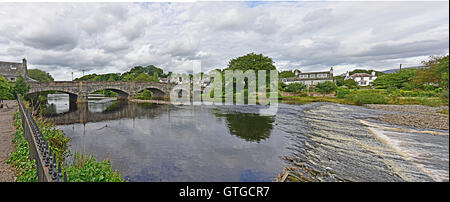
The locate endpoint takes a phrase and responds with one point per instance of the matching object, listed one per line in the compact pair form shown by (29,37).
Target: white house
(362,79)
(310,78)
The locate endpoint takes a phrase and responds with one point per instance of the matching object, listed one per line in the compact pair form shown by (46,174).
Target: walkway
(6,136)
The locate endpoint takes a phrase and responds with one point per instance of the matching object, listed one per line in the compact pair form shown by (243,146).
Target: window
(12,78)
(13,67)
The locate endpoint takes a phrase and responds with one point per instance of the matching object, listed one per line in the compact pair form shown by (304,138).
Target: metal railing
(47,169)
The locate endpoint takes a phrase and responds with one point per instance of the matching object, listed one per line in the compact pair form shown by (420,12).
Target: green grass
(83,168)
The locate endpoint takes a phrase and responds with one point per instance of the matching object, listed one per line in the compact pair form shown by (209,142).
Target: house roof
(361,75)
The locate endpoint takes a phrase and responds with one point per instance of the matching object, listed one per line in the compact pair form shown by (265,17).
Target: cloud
(312,36)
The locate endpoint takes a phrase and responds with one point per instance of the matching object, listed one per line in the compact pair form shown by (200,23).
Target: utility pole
(400,66)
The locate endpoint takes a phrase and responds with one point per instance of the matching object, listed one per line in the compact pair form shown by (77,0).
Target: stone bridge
(81,114)
(79,90)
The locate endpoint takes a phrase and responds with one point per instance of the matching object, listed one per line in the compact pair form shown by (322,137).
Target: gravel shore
(414,115)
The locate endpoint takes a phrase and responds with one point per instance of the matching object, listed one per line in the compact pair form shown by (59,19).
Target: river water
(149,142)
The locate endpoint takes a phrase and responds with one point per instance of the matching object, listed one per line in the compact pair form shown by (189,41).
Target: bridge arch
(157,92)
(122,94)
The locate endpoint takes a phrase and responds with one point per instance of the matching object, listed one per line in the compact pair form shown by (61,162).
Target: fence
(47,169)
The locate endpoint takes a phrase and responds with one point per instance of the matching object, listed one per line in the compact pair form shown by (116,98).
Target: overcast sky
(310,36)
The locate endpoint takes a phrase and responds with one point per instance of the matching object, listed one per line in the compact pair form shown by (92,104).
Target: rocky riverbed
(414,115)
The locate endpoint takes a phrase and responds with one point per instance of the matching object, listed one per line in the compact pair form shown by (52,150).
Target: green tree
(326,87)
(20,87)
(251,61)
(339,80)
(39,75)
(155,77)
(143,77)
(286,74)
(350,83)
(399,79)
(5,89)
(365,71)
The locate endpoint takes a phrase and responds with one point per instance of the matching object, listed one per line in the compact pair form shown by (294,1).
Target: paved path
(6,136)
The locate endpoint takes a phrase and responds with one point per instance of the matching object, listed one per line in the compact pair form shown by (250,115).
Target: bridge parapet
(79,90)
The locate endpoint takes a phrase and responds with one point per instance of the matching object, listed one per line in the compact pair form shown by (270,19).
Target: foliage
(84,168)
(20,87)
(361,97)
(251,61)
(39,75)
(19,159)
(342,92)
(325,87)
(399,79)
(295,87)
(143,77)
(5,89)
(350,83)
(339,80)
(365,71)
(144,95)
(150,70)
(286,74)
(100,77)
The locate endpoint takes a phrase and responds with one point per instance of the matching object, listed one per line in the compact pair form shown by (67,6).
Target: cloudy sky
(61,38)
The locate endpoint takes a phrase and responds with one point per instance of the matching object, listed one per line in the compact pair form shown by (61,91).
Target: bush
(350,83)
(144,95)
(295,87)
(326,87)
(342,92)
(368,97)
(444,96)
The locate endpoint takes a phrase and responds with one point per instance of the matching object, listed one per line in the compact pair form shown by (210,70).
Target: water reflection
(250,127)
(148,142)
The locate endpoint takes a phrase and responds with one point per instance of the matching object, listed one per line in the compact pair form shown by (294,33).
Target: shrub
(144,95)
(368,97)
(342,92)
(326,87)
(295,87)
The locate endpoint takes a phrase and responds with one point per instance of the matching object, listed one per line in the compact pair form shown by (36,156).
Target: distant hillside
(390,71)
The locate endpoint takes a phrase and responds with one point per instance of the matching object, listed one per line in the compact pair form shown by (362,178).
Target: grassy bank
(81,167)
(366,96)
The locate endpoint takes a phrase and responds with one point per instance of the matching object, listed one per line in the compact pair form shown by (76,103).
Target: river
(149,142)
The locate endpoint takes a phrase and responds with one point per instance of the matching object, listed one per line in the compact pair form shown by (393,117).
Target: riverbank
(79,167)
(415,115)
(7,130)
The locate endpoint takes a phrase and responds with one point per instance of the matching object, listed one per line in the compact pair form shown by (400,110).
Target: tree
(339,80)
(295,87)
(143,77)
(20,87)
(326,87)
(365,71)
(436,73)
(350,83)
(39,75)
(399,79)
(286,74)
(251,61)
(155,76)
(5,89)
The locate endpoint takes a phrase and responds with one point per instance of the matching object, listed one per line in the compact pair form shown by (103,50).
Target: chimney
(24,69)
(331,72)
